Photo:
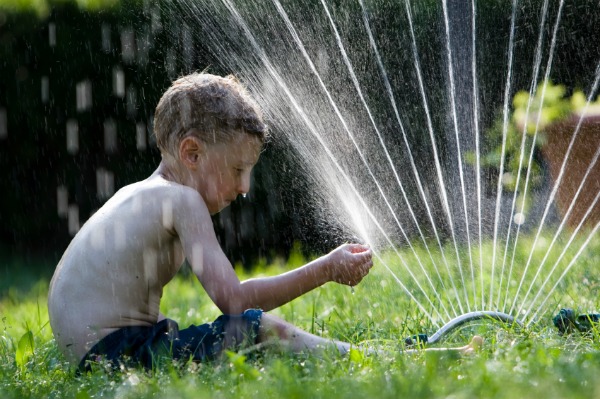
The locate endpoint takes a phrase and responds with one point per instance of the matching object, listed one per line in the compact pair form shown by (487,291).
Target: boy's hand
(349,263)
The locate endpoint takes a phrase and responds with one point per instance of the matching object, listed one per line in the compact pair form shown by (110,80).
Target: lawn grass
(531,362)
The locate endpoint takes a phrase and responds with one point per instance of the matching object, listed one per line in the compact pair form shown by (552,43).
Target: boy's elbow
(231,308)
(235,299)
(230,304)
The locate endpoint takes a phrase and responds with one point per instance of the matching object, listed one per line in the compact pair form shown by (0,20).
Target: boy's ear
(190,151)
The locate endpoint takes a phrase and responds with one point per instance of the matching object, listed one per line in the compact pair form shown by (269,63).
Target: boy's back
(116,266)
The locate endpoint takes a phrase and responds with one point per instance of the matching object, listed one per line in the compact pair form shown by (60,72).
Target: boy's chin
(219,208)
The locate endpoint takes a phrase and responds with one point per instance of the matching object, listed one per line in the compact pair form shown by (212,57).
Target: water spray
(423,339)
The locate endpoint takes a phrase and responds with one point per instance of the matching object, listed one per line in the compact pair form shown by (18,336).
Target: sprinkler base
(567,321)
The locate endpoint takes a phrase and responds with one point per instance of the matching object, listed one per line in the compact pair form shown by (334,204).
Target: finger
(366,266)
(362,257)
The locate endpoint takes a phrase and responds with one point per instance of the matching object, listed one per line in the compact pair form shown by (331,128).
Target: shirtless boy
(105,294)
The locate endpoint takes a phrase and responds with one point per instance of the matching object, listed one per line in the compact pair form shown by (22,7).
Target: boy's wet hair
(216,108)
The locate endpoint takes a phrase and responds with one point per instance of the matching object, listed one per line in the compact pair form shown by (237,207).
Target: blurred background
(79,82)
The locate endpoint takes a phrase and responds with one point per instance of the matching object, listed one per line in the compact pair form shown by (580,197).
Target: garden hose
(567,321)
(422,339)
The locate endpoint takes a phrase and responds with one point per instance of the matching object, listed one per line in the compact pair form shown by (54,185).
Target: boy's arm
(347,264)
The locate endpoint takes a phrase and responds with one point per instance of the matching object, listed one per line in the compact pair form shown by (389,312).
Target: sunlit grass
(514,362)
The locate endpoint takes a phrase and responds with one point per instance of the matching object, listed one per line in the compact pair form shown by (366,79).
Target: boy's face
(225,170)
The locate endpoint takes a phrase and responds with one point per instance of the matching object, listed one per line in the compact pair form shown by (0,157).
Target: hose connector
(568,321)
(416,340)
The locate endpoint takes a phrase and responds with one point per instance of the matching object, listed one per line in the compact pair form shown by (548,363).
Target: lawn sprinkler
(423,339)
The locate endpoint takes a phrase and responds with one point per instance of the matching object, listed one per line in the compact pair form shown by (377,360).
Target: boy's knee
(241,330)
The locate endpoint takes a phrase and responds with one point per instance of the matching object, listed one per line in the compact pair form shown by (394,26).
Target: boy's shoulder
(157,187)
(153,193)
(148,208)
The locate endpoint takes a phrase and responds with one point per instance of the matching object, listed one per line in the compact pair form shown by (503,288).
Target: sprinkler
(422,339)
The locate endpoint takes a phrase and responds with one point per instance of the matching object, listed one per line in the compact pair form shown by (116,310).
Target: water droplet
(73,219)
(98,238)
(62,201)
(128,45)
(52,34)
(110,136)
(119,235)
(167,213)
(83,92)
(106,44)
(45,89)
(131,103)
(244,195)
(105,183)
(140,136)
(170,63)
(118,82)
(72,136)
(187,40)
(155,22)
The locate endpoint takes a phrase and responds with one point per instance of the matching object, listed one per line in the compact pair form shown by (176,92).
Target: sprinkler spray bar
(422,339)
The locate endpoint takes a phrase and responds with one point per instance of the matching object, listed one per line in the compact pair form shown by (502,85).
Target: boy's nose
(244,185)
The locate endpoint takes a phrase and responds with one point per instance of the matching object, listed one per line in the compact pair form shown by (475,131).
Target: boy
(105,293)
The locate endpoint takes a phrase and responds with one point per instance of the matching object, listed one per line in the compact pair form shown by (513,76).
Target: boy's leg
(274,329)
(293,338)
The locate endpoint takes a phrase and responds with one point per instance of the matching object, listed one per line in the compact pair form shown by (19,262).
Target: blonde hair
(216,108)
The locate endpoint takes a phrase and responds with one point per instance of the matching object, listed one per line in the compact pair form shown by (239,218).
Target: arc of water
(555,190)
(575,232)
(503,150)
(298,41)
(438,167)
(388,157)
(458,151)
(477,149)
(411,296)
(568,268)
(312,129)
(558,180)
(418,181)
(533,89)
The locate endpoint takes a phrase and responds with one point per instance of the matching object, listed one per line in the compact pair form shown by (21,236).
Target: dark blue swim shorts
(144,345)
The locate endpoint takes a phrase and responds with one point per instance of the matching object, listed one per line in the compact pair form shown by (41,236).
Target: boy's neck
(169,171)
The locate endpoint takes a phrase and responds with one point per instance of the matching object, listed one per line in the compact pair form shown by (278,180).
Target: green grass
(532,362)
